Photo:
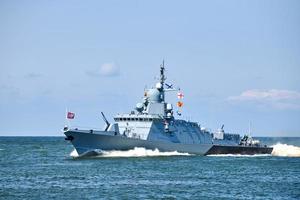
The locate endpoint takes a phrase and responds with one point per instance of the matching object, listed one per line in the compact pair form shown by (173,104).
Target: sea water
(49,168)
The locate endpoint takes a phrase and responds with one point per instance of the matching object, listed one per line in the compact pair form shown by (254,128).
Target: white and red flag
(180,95)
(70,115)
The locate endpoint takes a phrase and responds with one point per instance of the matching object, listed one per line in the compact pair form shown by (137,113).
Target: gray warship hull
(87,142)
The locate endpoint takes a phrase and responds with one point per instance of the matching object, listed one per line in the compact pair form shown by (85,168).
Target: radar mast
(162,80)
(162,74)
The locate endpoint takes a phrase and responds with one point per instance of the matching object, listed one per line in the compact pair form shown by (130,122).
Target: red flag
(70,115)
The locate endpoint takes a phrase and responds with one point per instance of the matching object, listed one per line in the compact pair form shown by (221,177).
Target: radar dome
(158,86)
(154,95)
(139,107)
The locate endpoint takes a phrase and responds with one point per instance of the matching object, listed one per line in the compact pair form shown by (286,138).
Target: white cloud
(106,69)
(109,69)
(279,99)
(266,95)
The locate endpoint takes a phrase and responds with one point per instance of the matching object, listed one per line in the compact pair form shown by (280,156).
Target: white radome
(158,86)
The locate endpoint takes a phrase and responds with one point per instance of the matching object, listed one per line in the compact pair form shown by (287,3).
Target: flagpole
(67,120)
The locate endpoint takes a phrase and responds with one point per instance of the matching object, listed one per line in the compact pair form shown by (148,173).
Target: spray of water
(141,152)
(136,152)
(285,150)
(279,149)
(74,154)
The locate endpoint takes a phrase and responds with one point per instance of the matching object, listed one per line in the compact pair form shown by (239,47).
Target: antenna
(162,73)
(249,128)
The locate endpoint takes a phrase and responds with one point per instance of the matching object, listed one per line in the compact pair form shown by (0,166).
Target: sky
(235,61)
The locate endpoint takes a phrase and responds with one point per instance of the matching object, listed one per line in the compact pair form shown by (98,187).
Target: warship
(152,125)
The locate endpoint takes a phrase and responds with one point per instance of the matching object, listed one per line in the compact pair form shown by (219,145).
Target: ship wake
(282,150)
(136,152)
(285,150)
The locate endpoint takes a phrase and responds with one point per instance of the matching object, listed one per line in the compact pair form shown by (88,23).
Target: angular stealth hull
(89,141)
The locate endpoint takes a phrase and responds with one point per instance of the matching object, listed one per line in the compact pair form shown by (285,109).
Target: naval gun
(110,127)
(106,121)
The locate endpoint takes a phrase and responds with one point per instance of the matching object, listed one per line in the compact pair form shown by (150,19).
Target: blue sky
(235,61)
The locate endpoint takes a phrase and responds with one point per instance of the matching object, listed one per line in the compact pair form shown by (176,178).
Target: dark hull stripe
(243,150)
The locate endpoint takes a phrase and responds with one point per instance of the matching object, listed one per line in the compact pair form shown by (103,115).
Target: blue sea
(48,168)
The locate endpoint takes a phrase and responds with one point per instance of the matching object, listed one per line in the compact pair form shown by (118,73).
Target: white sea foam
(141,152)
(136,152)
(285,150)
(279,149)
(74,154)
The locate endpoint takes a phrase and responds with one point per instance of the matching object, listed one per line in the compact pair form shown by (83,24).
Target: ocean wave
(285,150)
(136,152)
